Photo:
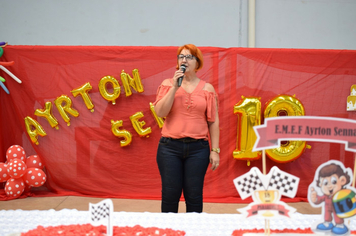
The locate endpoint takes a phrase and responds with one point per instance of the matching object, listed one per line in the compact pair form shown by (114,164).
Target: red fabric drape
(85,158)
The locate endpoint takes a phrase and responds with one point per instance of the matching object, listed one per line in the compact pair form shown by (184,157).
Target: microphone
(180,79)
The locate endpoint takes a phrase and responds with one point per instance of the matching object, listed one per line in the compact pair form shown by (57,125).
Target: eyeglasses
(187,57)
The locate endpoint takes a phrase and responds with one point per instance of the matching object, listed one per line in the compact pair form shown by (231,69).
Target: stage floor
(128,205)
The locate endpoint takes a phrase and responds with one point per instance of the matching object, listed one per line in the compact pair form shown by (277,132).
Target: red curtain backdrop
(85,158)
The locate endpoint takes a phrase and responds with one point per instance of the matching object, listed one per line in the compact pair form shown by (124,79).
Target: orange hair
(195,52)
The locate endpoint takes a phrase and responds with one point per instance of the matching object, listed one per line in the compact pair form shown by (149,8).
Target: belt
(187,140)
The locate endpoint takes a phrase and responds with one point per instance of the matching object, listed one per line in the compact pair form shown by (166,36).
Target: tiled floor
(128,205)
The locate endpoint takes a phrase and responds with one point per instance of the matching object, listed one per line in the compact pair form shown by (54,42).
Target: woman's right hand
(177,75)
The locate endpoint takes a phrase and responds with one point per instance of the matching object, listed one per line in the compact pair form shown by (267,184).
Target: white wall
(328,24)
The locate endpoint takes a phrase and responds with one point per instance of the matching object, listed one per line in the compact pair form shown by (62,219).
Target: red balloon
(27,188)
(16,168)
(4,176)
(15,151)
(34,161)
(34,177)
(14,187)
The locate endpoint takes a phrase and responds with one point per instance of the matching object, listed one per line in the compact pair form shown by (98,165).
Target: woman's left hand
(214,160)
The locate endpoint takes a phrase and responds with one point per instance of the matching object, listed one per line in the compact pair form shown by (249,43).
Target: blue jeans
(182,164)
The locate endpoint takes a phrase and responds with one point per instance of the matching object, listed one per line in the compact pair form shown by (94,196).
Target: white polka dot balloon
(34,161)
(15,151)
(4,176)
(14,187)
(16,168)
(34,177)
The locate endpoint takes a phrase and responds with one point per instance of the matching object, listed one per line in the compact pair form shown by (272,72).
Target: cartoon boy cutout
(330,178)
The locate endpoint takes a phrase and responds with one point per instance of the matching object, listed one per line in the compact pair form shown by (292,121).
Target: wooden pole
(354,177)
(264,162)
(264,170)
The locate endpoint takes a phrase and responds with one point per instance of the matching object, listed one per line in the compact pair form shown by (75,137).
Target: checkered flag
(248,183)
(100,214)
(287,184)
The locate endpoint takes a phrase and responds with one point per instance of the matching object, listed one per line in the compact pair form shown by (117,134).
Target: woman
(191,112)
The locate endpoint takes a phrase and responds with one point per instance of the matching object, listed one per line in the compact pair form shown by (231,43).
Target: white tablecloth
(194,224)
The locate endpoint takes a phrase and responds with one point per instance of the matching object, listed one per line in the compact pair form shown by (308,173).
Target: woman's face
(190,62)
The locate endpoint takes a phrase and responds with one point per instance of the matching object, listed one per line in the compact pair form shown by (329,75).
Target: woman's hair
(195,52)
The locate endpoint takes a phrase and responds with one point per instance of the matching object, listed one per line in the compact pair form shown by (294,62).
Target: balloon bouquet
(2,64)
(21,173)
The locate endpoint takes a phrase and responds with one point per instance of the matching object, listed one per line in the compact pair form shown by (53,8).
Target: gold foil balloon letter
(83,91)
(285,105)
(64,106)
(248,111)
(34,129)
(158,120)
(115,125)
(111,97)
(47,113)
(134,82)
(138,125)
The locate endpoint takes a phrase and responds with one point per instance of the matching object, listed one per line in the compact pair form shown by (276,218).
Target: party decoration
(331,189)
(4,87)
(344,202)
(266,192)
(83,92)
(353,90)
(138,125)
(248,111)
(9,73)
(16,172)
(7,63)
(309,128)
(47,114)
(34,129)
(158,120)
(351,100)
(111,97)
(285,105)
(2,64)
(101,213)
(14,187)
(115,125)
(34,177)
(15,152)
(4,176)
(134,82)
(34,161)
(16,168)
(64,106)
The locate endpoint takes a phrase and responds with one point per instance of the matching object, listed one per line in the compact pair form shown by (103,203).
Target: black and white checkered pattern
(100,212)
(287,184)
(248,183)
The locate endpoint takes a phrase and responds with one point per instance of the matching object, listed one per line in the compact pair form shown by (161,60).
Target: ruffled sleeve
(161,91)
(212,102)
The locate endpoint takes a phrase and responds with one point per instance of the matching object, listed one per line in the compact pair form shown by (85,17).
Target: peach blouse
(190,112)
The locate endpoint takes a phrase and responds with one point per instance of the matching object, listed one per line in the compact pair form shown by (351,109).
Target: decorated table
(194,224)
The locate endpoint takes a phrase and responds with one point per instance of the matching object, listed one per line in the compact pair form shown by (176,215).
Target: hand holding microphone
(180,79)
